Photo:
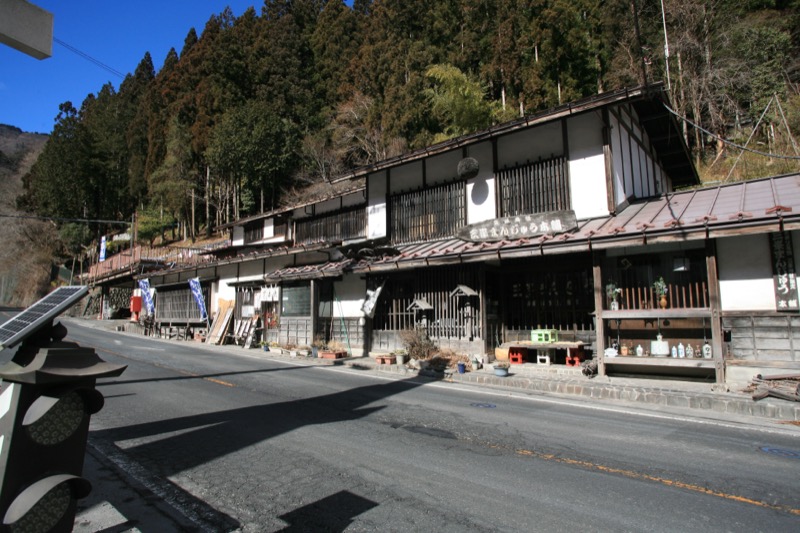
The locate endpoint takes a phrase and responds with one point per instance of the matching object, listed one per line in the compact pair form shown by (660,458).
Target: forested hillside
(28,246)
(254,107)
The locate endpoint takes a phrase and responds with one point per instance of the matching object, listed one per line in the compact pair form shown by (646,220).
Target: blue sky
(116,33)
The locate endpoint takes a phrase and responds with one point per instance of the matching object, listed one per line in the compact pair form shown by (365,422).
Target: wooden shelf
(660,361)
(623,314)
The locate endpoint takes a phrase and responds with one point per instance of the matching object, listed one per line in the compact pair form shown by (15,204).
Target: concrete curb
(675,393)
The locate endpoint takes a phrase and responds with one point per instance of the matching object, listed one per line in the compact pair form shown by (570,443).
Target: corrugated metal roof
(748,207)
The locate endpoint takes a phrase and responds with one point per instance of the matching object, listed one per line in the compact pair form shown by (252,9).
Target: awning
(330,269)
(750,207)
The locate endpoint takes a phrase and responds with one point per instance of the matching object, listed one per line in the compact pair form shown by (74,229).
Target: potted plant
(317,346)
(289,349)
(660,288)
(333,350)
(612,292)
(501,369)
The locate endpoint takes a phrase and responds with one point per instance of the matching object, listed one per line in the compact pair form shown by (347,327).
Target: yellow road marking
(178,370)
(219,381)
(664,481)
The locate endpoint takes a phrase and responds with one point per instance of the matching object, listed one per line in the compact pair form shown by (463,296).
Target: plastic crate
(544,335)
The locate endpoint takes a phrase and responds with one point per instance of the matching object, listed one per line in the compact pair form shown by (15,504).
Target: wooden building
(564,221)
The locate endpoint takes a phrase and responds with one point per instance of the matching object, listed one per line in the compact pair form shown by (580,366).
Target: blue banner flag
(147,298)
(197,292)
(103,248)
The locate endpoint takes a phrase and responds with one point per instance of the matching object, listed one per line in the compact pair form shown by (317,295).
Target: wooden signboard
(519,227)
(783,277)
(220,325)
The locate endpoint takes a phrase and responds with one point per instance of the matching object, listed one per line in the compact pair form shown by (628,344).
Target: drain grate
(781,452)
(484,405)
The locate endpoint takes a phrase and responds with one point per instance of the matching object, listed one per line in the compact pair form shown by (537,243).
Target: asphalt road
(238,442)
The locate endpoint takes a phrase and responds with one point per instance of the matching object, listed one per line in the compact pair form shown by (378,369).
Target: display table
(515,352)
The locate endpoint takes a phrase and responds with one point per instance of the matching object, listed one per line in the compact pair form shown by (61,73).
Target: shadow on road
(194,440)
(331,514)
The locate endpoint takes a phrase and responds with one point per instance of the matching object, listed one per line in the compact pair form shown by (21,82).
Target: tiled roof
(756,206)
(315,271)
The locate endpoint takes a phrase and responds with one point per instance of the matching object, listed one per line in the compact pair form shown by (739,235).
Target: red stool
(517,355)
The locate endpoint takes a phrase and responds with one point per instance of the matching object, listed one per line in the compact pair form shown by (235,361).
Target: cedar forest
(255,109)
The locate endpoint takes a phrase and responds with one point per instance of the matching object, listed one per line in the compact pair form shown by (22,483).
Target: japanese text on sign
(784,278)
(518,227)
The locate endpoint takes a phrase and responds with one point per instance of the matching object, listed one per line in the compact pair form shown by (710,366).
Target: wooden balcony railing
(679,296)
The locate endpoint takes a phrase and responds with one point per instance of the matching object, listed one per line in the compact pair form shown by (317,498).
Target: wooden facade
(611,163)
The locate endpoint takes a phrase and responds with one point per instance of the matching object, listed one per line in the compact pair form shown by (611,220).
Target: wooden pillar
(716,318)
(315,309)
(608,158)
(600,329)
(483,308)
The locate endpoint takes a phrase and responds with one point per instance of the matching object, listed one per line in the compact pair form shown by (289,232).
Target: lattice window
(558,294)
(254,232)
(340,226)
(535,188)
(178,304)
(456,317)
(433,213)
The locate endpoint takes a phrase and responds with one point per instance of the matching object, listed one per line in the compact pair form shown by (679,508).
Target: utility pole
(666,45)
(639,40)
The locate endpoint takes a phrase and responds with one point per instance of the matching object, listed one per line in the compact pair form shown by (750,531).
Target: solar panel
(21,326)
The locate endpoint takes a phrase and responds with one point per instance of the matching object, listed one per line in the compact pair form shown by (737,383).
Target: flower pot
(331,355)
(266,348)
(502,372)
(461,368)
(663,301)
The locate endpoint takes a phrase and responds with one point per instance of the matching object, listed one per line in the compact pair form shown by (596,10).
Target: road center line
(647,477)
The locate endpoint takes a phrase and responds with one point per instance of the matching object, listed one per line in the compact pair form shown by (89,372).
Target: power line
(57,219)
(89,58)
(730,143)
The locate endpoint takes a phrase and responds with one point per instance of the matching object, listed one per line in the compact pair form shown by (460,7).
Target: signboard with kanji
(519,227)
(783,272)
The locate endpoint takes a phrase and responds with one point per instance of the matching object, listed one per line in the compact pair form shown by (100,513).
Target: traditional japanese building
(572,221)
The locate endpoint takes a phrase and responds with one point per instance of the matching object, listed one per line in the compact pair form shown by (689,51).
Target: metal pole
(666,45)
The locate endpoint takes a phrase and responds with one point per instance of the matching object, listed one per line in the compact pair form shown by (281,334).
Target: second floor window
(433,213)
(339,226)
(254,232)
(534,188)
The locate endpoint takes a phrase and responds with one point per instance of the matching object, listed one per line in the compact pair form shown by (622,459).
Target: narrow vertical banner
(197,292)
(103,248)
(786,296)
(147,298)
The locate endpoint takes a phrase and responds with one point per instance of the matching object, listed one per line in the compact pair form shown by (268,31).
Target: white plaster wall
(587,172)
(226,273)
(481,195)
(618,165)
(442,168)
(406,177)
(350,291)
(543,142)
(238,236)
(376,205)
(745,273)
(269,232)
(269,228)
(355,198)
(250,270)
